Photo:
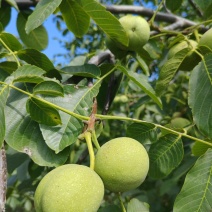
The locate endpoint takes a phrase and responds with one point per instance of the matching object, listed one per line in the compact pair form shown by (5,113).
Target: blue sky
(54,47)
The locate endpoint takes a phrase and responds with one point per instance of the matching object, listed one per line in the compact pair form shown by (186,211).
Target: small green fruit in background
(137,30)
(122,163)
(206,39)
(69,188)
(191,60)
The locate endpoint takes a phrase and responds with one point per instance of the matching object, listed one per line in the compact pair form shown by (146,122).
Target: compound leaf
(196,192)
(165,155)
(200,95)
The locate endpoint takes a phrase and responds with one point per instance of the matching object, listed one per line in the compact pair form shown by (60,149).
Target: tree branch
(3,179)
(164,17)
(117,9)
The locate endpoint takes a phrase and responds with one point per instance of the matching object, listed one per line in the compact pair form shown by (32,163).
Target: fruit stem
(121,203)
(90,149)
(94,139)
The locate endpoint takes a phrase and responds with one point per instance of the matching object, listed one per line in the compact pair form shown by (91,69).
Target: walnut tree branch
(3,179)
(164,17)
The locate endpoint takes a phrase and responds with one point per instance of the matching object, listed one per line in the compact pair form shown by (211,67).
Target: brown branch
(100,58)
(3,179)
(163,17)
(117,9)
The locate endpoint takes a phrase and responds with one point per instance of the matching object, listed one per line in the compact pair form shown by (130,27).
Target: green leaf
(135,205)
(106,21)
(87,70)
(11,41)
(13,4)
(110,208)
(173,5)
(5,15)
(169,69)
(204,5)
(142,132)
(3,75)
(14,159)
(43,9)
(142,81)
(28,73)
(4,92)
(165,155)
(49,88)
(34,57)
(200,95)
(43,113)
(77,20)
(8,66)
(77,99)
(196,192)
(37,38)
(199,148)
(24,135)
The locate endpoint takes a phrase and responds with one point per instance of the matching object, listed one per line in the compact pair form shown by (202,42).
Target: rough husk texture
(122,163)
(69,188)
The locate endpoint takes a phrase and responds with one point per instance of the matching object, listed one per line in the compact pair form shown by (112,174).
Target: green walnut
(206,39)
(69,188)
(191,60)
(137,30)
(122,163)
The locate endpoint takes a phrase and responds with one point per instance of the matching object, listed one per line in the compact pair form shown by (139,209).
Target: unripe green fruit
(122,163)
(137,30)
(69,187)
(191,60)
(206,39)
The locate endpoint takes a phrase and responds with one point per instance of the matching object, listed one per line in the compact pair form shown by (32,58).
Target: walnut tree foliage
(146,96)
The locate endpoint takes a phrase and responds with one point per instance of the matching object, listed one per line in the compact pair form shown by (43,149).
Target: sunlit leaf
(24,135)
(200,95)
(169,69)
(28,73)
(43,9)
(87,70)
(135,205)
(142,81)
(77,99)
(196,192)
(77,20)
(142,132)
(165,155)
(37,38)
(49,88)
(11,41)
(105,20)
(34,57)
(43,113)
